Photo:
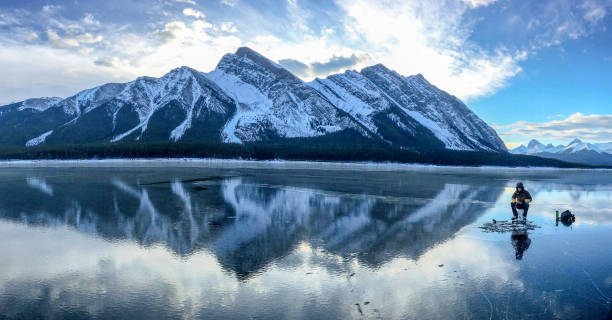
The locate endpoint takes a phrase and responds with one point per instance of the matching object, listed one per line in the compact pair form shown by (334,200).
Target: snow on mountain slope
(446,116)
(577,145)
(249,98)
(377,89)
(536,146)
(576,151)
(149,94)
(38,140)
(354,94)
(273,102)
(182,94)
(253,108)
(372,108)
(574,146)
(604,146)
(89,99)
(39,104)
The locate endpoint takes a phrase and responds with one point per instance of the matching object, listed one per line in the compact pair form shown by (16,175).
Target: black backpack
(567,218)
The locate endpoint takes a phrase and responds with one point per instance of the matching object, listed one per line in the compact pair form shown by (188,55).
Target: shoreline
(242,163)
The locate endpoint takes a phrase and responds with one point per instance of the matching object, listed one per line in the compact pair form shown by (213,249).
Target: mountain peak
(418,78)
(253,68)
(182,70)
(575,141)
(534,143)
(256,57)
(379,67)
(246,51)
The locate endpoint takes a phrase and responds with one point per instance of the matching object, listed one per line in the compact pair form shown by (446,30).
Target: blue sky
(532,69)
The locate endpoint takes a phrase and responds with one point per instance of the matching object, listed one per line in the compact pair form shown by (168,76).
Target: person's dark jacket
(521,196)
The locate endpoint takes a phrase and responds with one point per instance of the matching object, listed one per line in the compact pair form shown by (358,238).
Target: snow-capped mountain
(576,151)
(404,110)
(535,146)
(272,102)
(577,145)
(249,98)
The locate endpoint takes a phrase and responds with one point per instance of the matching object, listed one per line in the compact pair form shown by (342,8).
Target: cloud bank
(60,49)
(323,68)
(595,128)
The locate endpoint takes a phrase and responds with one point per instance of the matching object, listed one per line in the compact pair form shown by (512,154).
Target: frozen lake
(231,240)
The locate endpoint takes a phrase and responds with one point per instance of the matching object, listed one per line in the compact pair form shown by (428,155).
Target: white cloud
(227,27)
(266,38)
(322,68)
(594,11)
(194,44)
(595,128)
(478,3)
(7,19)
(420,36)
(50,72)
(431,38)
(555,116)
(71,41)
(89,19)
(229,3)
(51,9)
(32,36)
(554,22)
(194,13)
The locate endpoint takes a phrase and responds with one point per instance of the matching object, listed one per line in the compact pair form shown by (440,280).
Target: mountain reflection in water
(175,243)
(247,222)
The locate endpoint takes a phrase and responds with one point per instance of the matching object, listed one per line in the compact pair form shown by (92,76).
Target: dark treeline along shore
(293,149)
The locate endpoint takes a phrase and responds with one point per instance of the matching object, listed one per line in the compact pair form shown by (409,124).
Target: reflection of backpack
(567,217)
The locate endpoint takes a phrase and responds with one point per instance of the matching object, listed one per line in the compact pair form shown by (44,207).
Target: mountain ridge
(575,151)
(249,98)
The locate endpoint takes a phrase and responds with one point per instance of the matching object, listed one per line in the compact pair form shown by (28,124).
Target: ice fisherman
(520,200)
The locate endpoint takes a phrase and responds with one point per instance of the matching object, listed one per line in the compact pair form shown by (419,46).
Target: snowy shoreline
(272,164)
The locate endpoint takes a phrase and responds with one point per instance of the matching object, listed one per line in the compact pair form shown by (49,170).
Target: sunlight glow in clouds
(431,38)
(76,50)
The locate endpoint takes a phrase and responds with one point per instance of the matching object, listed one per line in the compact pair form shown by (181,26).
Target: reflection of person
(520,200)
(520,242)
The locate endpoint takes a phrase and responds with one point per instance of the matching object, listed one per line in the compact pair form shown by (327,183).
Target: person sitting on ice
(520,200)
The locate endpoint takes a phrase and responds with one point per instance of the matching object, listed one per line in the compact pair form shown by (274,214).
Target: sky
(531,69)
